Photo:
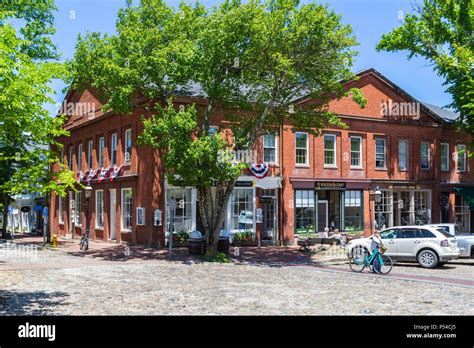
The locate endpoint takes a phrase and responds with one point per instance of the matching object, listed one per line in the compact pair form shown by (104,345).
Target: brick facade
(144,174)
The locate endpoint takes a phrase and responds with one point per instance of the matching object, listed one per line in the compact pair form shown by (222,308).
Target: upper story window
(79,157)
(462,158)
(128,145)
(403,152)
(380,153)
(301,148)
(113,149)
(425,155)
(444,157)
(100,152)
(90,145)
(356,152)
(329,150)
(269,148)
(69,160)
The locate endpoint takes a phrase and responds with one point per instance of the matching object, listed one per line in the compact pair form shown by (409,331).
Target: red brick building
(408,149)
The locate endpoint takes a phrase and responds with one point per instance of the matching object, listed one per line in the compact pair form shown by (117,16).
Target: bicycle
(359,261)
(84,243)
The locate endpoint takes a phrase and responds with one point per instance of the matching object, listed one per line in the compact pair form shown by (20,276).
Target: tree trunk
(5,215)
(212,210)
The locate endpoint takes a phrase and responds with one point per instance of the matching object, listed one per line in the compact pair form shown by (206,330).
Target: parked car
(428,246)
(465,239)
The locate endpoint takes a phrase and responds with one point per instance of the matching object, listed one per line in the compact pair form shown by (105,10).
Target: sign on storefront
(329,185)
(157,217)
(259,219)
(244,184)
(140,216)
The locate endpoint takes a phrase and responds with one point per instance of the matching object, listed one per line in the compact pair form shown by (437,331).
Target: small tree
(441,32)
(27,133)
(249,62)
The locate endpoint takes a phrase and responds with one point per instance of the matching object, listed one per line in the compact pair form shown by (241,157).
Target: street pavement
(117,279)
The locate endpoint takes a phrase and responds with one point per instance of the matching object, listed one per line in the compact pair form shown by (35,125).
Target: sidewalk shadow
(31,303)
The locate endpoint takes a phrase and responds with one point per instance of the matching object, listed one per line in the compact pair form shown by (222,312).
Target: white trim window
(100,152)
(301,148)
(183,214)
(242,206)
(126,211)
(99,209)
(462,158)
(356,152)
(79,208)
(444,157)
(403,154)
(270,148)
(425,155)
(69,161)
(90,146)
(61,209)
(79,157)
(329,150)
(113,149)
(128,145)
(380,153)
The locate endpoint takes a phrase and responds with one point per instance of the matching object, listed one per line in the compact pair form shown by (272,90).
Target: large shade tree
(441,32)
(27,131)
(251,62)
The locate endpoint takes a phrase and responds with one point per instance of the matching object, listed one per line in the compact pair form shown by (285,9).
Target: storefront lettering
(326,185)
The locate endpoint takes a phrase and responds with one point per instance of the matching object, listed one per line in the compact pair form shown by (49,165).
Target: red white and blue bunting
(116,171)
(92,174)
(104,173)
(259,170)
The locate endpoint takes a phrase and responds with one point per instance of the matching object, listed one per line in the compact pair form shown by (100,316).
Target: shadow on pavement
(31,303)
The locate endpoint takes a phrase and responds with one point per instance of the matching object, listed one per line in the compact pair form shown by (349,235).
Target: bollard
(55,240)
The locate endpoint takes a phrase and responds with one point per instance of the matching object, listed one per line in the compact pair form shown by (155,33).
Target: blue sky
(370,19)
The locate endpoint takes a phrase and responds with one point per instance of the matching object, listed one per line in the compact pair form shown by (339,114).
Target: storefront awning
(467,193)
(267,183)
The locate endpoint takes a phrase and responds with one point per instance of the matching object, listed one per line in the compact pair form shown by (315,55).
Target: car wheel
(428,259)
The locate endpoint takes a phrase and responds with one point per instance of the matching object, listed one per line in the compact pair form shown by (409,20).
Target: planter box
(180,245)
(239,243)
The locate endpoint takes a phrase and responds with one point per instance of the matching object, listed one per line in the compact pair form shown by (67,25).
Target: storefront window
(127,203)
(386,210)
(182,219)
(79,208)
(422,211)
(462,213)
(242,209)
(353,212)
(304,211)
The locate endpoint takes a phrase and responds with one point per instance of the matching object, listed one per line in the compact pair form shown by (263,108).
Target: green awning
(467,193)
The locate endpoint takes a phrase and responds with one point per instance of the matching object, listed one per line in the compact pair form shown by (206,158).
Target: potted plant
(244,238)
(180,239)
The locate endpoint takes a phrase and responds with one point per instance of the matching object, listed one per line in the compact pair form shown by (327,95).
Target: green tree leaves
(441,31)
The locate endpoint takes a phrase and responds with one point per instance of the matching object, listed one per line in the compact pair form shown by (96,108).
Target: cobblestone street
(114,279)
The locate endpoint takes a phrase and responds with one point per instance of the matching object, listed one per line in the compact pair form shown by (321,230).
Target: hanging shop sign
(140,216)
(329,185)
(157,219)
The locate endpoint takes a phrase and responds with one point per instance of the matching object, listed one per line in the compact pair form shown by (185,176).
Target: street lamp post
(378,199)
(88,193)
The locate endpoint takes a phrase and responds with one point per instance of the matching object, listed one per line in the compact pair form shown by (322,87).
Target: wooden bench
(306,243)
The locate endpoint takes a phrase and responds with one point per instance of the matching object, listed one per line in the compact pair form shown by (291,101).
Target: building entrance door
(113,215)
(322,215)
(269,218)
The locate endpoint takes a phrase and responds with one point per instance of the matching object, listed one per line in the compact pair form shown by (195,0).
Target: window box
(244,238)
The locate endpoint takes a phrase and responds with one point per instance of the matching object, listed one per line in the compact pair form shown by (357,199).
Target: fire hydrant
(55,240)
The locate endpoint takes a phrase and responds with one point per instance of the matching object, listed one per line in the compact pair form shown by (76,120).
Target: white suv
(427,245)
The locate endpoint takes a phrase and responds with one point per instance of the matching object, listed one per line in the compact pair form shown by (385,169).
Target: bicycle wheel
(386,264)
(357,262)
